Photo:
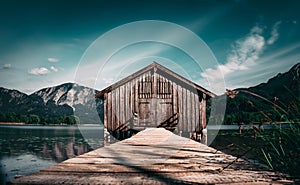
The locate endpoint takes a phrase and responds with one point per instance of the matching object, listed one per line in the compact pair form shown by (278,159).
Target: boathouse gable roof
(159,69)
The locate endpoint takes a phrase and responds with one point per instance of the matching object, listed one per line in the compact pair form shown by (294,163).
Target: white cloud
(256,30)
(6,66)
(53,60)
(247,64)
(245,52)
(274,34)
(53,69)
(39,71)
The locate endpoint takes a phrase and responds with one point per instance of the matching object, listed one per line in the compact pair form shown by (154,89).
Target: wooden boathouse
(154,97)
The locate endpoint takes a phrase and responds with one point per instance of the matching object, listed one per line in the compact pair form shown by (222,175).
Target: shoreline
(209,127)
(50,125)
(12,123)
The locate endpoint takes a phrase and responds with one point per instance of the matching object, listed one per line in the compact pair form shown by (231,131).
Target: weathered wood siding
(154,99)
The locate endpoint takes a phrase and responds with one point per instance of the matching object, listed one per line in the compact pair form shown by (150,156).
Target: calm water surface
(28,149)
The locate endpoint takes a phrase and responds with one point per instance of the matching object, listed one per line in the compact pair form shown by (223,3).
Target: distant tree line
(37,120)
(258,117)
(253,117)
(244,110)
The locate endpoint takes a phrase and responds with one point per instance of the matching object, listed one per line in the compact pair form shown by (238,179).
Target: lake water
(28,149)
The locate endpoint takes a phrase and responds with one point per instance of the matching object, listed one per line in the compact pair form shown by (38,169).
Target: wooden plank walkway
(154,156)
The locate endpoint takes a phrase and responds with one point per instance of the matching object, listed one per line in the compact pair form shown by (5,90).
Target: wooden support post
(203,120)
(188,111)
(204,136)
(108,110)
(193,113)
(105,110)
(184,110)
(203,111)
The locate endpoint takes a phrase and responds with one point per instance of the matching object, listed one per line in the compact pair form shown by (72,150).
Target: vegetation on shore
(281,150)
(33,119)
(278,148)
(244,108)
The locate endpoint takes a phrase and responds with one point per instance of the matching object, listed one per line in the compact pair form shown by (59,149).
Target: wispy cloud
(245,52)
(6,66)
(274,33)
(39,71)
(54,69)
(53,60)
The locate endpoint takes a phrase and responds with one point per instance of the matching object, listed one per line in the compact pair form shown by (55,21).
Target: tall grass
(281,149)
(281,145)
(278,148)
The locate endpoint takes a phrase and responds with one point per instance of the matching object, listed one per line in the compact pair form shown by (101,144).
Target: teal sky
(42,42)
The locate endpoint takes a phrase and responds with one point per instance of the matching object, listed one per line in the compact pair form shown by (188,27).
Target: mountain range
(272,100)
(67,99)
(276,100)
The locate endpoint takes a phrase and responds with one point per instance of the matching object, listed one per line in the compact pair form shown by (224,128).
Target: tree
(34,119)
(70,120)
(3,117)
(24,119)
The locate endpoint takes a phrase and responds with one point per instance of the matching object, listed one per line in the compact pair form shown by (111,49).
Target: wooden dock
(155,156)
